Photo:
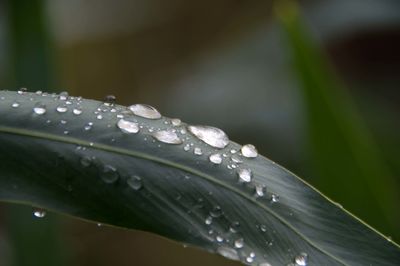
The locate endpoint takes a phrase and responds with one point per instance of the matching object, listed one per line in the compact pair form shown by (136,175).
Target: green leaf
(343,153)
(84,165)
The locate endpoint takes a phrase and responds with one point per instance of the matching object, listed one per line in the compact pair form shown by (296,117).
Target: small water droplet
(236,159)
(274,198)
(99,117)
(186,147)
(176,122)
(145,111)
(219,239)
(264,264)
(62,108)
(260,190)
(263,228)
(245,175)
(228,253)
(15,105)
(234,228)
(239,243)
(135,182)
(39,213)
(63,96)
(216,211)
(213,136)
(85,161)
(39,109)
(128,126)
(110,99)
(22,91)
(208,220)
(215,158)
(167,136)
(77,111)
(109,174)
(301,259)
(197,151)
(249,151)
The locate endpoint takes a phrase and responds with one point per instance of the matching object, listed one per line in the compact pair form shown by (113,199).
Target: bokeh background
(315,85)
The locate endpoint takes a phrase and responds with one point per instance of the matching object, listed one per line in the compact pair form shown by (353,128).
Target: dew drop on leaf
(213,136)
(109,174)
(15,105)
(39,109)
(245,175)
(62,109)
(128,127)
(144,110)
(215,158)
(239,243)
(301,259)
(134,182)
(39,213)
(228,253)
(198,151)
(77,111)
(249,151)
(167,136)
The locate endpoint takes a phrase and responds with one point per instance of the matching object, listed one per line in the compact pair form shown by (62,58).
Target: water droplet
(239,243)
(234,228)
(245,175)
(228,253)
(135,182)
(236,159)
(110,99)
(63,96)
(167,136)
(215,158)
(274,198)
(249,259)
(216,211)
(62,108)
(109,174)
(39,109)
(186,147)
(219,239)
(15,105)
(263,228)
(39,213)
(249,151)
(128,126)
(145,111)
(260,190)
(264,264)
(214,137)
(197,151)
(22,91)
(77,111)
(301,259)
(176,122)
(208,220)
(99,117)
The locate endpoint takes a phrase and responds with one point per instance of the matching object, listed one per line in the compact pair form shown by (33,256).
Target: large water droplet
(249,151)
(245,175)
(215,158)
(135,182)
(128,126)
(214,137)
(228,253)
(239,243)
(301,259)
(109,174)
(39,213)
(39,109)
(167,136)
(145,111)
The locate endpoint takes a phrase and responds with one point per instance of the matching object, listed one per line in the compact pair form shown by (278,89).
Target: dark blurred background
(314,85)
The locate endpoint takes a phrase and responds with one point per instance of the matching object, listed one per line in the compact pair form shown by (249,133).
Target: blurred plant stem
(346,160)
(33,241)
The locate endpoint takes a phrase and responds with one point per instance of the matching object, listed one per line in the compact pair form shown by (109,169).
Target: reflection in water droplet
(39,213)
(249,151)
(215,158)
(39,109)
(239,243)
(135,182)
(167,136)
(214,137)
(109,174)
(128,127)
(301,259)
(228,253)
(145,111)
(245,175)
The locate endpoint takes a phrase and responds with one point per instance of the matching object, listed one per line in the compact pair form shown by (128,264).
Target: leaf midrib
(118,150)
